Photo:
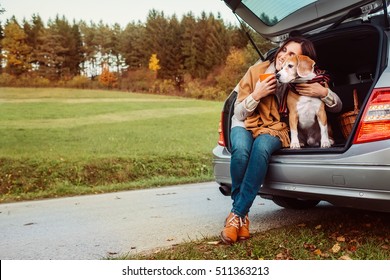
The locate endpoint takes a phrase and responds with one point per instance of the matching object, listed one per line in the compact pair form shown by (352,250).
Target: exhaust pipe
(225,190)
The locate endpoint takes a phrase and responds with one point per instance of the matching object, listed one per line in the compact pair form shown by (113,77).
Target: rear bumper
(221,166)
(359,177)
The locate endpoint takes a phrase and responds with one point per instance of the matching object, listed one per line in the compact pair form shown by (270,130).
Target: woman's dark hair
(306,45)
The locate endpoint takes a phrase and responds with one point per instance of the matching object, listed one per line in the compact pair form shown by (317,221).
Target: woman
(257,130)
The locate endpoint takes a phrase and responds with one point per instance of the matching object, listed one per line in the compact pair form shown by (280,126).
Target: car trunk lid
(275,19)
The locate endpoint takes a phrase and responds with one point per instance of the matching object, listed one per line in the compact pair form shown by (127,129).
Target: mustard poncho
(266,118)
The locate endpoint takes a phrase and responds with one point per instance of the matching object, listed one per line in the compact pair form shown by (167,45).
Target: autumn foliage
(154,63)
(107,78)
(204,51)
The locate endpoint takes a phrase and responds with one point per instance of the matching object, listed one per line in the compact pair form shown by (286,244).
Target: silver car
(352,41)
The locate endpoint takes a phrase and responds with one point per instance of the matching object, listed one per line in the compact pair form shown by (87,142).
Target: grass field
(56,142)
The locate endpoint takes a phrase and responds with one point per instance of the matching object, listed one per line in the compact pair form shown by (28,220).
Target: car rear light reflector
(375,122)
(221,140)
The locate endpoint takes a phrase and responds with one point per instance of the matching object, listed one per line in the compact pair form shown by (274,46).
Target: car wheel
(294,203)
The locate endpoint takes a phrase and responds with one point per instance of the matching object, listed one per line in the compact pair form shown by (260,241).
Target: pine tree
(70,47)
(157,27)
(114,48)
(171,60)
(1,46)
(133,46)
(35,32)
(76,51)
(90,65)
(188,47)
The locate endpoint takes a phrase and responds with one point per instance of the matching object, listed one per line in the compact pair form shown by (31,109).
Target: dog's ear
(305,65)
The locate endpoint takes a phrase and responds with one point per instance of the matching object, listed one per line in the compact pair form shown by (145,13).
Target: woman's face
(288,50)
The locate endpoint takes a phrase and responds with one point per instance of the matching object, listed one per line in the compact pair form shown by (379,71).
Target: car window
(272,12)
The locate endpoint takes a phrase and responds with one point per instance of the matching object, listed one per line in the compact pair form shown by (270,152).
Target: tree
(76,50)
(188,47)
(1,46)
(115,48)
(234,69)
(157,28)
(107,78)
(154,63)
(222,42)
(51,54)
(103,45)
(204,40)
(35,32)
(90,66)
(133,46)
(171,57)
(2,10)
(17,51)
(70,50)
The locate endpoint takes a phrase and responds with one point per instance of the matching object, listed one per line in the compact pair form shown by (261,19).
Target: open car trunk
(355,63)
(354,56)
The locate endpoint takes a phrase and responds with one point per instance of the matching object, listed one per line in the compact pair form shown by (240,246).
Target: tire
(294,203)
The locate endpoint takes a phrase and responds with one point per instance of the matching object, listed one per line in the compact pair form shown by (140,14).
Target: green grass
(57,142)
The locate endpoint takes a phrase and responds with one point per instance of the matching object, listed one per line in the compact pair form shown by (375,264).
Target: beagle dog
(307,116)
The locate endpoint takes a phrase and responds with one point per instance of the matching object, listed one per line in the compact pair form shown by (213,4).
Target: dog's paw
(326,144)
(295,145)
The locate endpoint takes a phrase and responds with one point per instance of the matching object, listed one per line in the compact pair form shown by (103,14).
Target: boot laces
(235,221)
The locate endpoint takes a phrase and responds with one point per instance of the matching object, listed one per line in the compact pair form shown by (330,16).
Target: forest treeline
(201,57)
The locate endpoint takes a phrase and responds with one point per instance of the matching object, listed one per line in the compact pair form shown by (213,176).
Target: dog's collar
(321,78)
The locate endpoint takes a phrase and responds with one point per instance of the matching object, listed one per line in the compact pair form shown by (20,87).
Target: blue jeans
(249,165)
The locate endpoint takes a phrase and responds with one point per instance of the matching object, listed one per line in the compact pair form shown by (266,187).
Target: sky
(110,11)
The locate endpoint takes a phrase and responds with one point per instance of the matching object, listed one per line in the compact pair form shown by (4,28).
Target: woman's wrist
(251,103)
(328,98)
(256,96)
(325,92)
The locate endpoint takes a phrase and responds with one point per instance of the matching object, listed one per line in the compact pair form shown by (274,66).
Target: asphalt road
(97,226)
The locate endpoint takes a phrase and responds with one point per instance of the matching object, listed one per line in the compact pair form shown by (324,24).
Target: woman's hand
(313,90)
(264,88)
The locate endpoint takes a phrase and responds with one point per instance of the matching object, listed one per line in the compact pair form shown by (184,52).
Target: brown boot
(230,232)
(243,232)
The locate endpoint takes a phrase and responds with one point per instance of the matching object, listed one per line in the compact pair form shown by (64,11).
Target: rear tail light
(375,122)
(221,140)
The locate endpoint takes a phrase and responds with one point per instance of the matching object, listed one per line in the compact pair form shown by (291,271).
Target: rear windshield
(271,12)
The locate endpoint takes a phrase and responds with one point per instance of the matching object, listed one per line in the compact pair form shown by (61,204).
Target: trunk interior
(354,57)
